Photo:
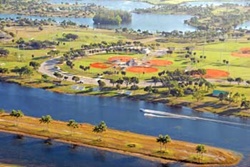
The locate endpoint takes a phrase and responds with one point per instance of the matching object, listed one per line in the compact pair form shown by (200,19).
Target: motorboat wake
(163,114)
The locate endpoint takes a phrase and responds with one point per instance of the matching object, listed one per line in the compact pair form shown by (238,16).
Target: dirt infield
(140,69)
(214,73)
(99,65)
(160,62)
(120,58)
(243,52)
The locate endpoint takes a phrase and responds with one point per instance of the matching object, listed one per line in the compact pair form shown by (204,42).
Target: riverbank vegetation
(118,141)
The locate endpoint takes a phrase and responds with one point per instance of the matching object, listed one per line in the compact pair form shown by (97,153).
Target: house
(216,93)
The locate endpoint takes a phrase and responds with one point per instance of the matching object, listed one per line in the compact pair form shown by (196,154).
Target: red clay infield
(213,73)
(243,52)
(99,65)
(140,69)
(120,58)
(160,62)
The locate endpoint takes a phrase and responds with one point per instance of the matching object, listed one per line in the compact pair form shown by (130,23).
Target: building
(216,93)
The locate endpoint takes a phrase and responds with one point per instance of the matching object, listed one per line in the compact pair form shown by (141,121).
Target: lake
(151,22)
(123,114)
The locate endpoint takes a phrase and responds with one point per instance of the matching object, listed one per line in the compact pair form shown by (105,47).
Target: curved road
(49,67)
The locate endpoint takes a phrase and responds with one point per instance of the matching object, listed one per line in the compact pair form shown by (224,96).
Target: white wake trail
(162,114)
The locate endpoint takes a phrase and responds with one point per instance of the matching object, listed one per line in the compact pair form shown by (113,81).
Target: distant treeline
(115,17)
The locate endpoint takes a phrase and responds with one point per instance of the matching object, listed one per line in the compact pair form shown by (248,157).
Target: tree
(245,104)
(112,81)
(17,114)
(53,52)
(155,79)
(198,95)
(134,80)
(4,70)
(163,140)
(248,82)
(222,97)
(126,80)
(72,124)
(4,52)
(160,139)
(34,64)
(101,84)
(46,120)
(100,128)
(200,149)
(71,36)
(44,77)
(75,78)
(148,89)
(58,75)
(25,70)
(239,80)
(166,140)
(230,80)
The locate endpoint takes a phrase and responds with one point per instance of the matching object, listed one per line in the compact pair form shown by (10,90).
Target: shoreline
(27,127)
(143,97)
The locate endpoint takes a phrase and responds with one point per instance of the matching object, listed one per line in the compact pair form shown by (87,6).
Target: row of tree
(47,119)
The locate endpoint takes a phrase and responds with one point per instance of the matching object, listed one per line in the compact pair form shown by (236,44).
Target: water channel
(123,114)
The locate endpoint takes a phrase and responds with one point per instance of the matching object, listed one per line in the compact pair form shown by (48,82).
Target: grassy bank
(118,141)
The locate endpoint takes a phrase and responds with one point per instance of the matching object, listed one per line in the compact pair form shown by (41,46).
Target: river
(123,114)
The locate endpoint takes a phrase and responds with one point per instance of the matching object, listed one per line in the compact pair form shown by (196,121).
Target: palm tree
(17,114)
(160,139)
(166,140)
(200,149)
(46,119)
(72,124)
(100,128)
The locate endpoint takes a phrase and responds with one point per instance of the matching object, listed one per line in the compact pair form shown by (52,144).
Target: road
(49,68)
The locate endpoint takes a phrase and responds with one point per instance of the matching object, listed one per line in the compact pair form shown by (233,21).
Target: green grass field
(215,53)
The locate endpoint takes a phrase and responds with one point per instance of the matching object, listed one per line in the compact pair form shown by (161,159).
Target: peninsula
(117,141)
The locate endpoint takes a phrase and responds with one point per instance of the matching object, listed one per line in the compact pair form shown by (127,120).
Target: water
(30,152)
(151,22)
(245,25)
(110,4)
(124,114)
